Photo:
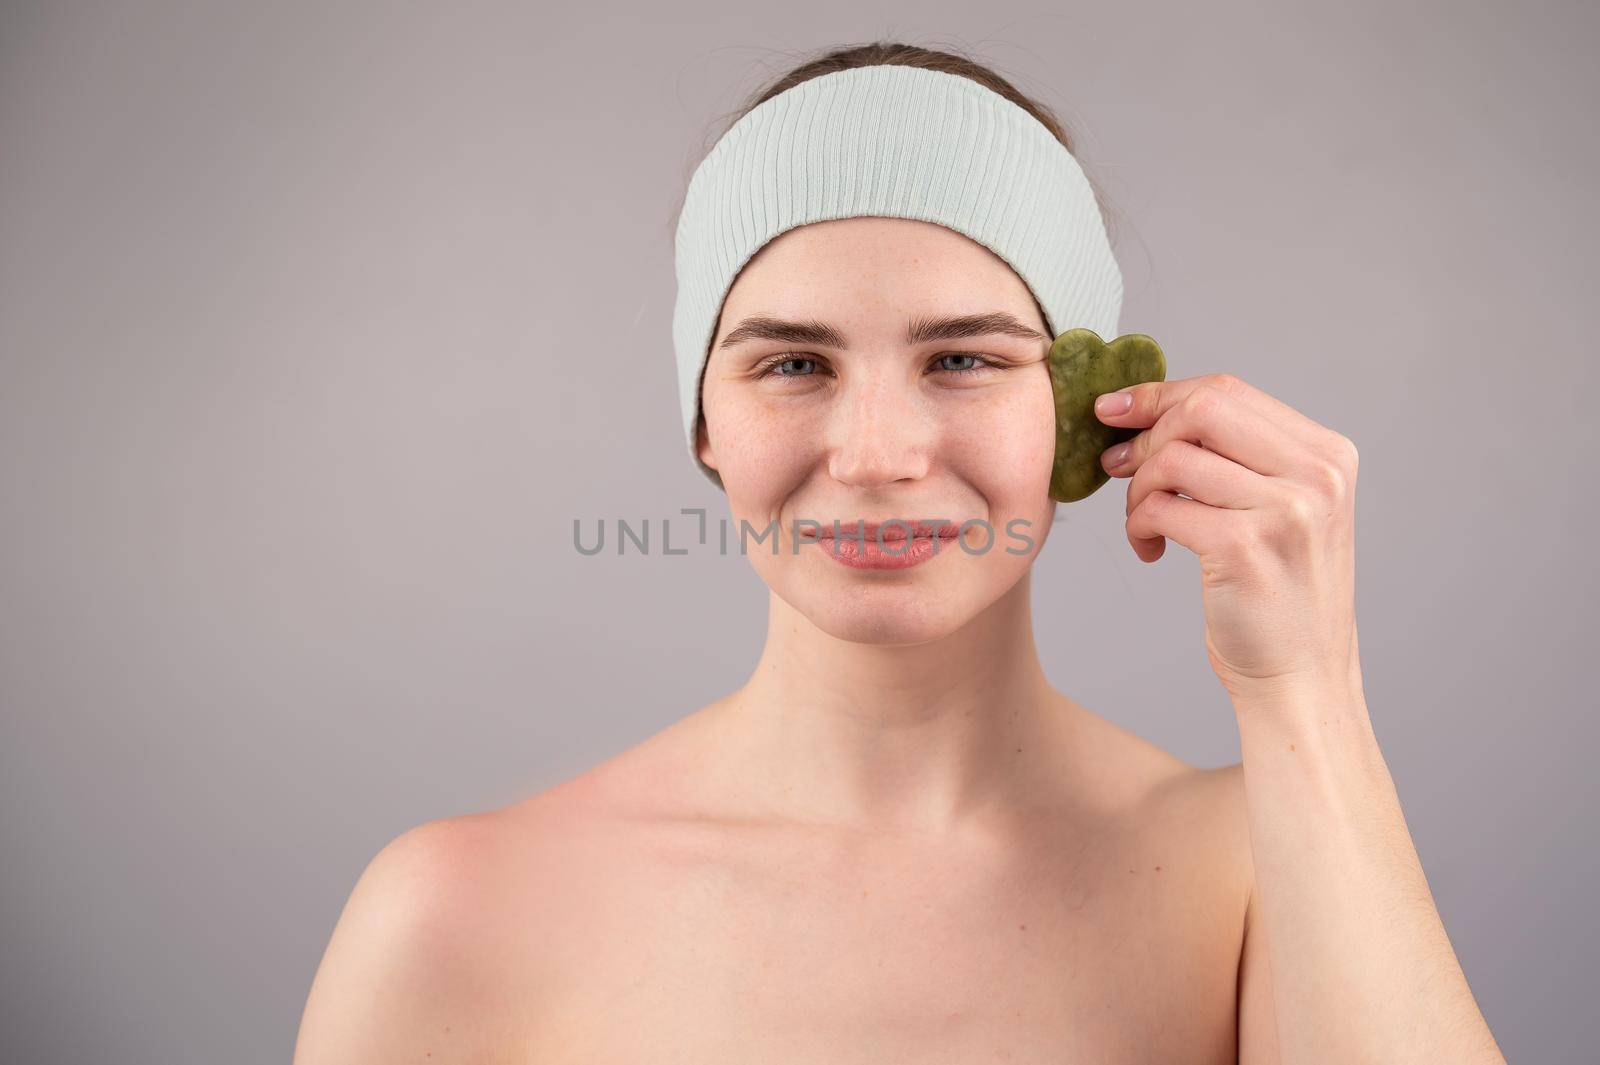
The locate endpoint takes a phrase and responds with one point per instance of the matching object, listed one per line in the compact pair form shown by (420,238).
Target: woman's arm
(1341,919)
(1361,969)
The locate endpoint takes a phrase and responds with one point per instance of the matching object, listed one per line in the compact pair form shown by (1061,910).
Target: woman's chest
(1102,958)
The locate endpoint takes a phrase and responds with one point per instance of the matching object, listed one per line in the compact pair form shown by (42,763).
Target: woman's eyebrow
(924,330)
(762,327)
(920,331)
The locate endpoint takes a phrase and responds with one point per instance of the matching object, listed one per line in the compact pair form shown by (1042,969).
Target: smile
(884,545)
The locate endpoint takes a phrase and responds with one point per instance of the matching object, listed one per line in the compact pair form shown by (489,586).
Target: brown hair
(896,53)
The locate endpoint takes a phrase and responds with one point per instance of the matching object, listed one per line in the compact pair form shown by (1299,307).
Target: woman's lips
(857,544)
(885,530)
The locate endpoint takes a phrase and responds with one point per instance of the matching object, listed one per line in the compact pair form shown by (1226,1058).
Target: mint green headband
(897,142)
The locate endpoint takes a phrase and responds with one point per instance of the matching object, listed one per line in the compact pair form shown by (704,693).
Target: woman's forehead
(879,267)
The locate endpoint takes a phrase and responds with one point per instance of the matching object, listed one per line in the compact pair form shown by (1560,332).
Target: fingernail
(1114,403)
(1114,456)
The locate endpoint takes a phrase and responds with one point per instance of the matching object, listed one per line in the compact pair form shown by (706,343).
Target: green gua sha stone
(1082,367)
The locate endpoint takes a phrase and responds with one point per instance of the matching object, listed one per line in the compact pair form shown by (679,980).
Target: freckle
(1291,746)
(1130,870)
(1158,868)
(1019,750)
(864,892)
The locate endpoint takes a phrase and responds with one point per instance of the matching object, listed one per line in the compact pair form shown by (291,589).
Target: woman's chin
(900,616)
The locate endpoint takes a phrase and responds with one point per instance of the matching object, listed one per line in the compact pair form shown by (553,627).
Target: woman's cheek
(762,450)
(1010,447)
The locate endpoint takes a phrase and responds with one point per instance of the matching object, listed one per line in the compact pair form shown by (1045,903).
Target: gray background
(320,325)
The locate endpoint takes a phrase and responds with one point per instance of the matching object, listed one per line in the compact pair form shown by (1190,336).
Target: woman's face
(856,419)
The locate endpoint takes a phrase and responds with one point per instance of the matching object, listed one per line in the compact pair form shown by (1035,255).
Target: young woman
(896,841)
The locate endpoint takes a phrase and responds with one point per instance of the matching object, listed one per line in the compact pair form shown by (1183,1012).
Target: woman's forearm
(1362,969)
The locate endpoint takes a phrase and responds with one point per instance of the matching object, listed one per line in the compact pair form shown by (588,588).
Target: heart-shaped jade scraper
(1082,367)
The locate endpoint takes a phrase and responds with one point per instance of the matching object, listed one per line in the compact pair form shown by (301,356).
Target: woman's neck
(918,738)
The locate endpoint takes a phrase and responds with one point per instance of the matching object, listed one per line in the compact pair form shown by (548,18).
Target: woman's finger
(1200,474)
(1161,516)
(1154,398)
(1218,421)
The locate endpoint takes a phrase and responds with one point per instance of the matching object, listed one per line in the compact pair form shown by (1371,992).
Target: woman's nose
(881,432)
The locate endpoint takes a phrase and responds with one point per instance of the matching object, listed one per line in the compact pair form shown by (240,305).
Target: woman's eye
(779,367)
(974,364)
(788,368)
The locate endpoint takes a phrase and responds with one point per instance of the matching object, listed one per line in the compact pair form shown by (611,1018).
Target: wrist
(1316,730)
(1300,696)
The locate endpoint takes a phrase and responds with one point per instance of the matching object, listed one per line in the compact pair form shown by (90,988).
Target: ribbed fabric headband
(898,142)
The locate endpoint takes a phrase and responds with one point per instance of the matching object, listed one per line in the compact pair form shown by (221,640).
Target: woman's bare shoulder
(409,964)
(1118,761)
(453,928)
(1158,793)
